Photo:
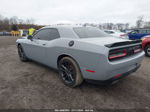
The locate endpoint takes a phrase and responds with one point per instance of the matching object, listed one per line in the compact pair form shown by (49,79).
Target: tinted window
(109,32)
(89,32)
(135,32)
(142,31)
(148,31)
(47,34)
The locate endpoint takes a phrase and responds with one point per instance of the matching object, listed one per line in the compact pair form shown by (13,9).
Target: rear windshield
(89,32)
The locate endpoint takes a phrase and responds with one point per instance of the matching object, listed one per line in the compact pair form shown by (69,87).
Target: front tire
(21,54)
(147,50)
(70,72)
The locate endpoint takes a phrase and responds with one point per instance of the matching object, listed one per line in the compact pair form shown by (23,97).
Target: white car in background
(117,33)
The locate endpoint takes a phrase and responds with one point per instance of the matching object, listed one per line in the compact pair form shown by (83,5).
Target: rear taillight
(137,49)
(117,54)
(117,76)
(123,35)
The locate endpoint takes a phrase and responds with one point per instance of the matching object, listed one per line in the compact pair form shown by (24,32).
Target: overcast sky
(76,11)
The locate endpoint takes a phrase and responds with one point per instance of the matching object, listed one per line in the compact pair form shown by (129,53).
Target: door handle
(43,44)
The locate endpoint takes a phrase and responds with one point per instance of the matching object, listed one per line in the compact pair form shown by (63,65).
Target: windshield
(89,32)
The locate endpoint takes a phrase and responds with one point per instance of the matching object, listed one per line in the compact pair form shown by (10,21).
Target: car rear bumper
(105,70)
(113,79)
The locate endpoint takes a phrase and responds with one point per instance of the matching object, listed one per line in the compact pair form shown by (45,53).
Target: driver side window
(47,34)
(134,32)
(38,35)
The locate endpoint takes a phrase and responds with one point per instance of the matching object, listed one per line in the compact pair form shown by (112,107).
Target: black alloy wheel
(70,72)
(147,50)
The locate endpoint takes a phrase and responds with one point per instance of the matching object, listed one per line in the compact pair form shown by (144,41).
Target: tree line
(110,26)
(139,23)
(15,23)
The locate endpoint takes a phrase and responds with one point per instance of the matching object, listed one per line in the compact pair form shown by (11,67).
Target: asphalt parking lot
(31,85)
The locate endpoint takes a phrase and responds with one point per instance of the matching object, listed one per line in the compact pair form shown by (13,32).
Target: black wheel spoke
(63,68)
(70,76)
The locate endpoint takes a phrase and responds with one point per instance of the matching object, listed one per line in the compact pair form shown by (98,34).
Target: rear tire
(21,54)
(147,50)
(70,72)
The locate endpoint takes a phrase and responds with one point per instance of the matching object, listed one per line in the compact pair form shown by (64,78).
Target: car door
(38,46)
(41,47)
(51,50)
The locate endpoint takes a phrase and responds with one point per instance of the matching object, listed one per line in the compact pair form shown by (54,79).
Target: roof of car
(65,30)
(63,26)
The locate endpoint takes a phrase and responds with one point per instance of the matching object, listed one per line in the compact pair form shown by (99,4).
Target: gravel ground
(34,86)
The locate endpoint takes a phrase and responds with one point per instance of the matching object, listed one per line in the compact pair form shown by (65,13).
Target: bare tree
(139,21)
(30,21)
(1,19)
(120,26)
(14,20)
(6,21)
(15,23)
(147,24)
(127,26)
(21,21)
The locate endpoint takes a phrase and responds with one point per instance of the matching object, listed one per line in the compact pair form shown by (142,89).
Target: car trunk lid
(102,40)
(118,48)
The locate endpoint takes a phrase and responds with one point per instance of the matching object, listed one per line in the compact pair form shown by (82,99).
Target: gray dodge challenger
(82,53)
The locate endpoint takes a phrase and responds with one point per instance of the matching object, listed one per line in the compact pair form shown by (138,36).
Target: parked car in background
(138,34)
(127,31)
(7,33)
(25,33)
(1,33)
(82,53)
(146,45)
(117,33)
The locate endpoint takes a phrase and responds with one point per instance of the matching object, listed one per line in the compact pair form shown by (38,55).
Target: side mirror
(30,37)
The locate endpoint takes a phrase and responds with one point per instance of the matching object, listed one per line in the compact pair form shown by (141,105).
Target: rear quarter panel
(88,56)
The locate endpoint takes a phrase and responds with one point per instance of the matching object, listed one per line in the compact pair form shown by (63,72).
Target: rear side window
(89,32)
(47,34)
